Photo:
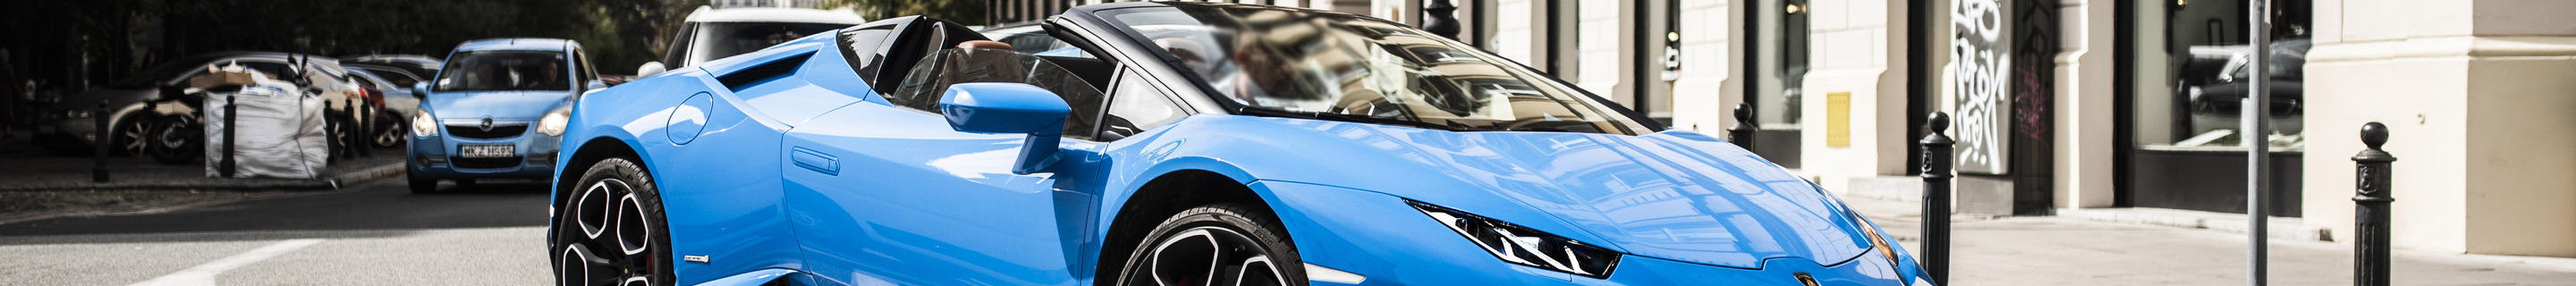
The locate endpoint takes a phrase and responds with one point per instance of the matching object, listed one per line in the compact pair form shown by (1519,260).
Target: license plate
(489,151)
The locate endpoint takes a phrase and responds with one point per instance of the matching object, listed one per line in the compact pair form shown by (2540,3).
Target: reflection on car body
(1284,146)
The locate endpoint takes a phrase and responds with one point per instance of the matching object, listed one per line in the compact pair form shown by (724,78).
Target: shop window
(2191,69)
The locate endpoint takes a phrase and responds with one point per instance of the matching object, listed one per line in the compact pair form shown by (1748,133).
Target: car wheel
(1218,244)
(610,230)
(389,132)
(420,186)
(175,140)
(131,136)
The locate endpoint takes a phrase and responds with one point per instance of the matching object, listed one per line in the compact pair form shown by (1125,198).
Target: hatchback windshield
(504,71)
(1339,66)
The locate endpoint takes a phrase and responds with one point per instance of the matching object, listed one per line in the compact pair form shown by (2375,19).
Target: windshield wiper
(1274,112)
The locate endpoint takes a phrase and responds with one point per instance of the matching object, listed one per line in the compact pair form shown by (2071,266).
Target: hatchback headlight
(553,123)
(1521,245)
(423,125)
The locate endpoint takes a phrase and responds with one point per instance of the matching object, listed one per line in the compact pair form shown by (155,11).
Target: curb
(331,182)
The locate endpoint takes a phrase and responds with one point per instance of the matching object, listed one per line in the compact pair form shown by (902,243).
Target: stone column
(2482,90)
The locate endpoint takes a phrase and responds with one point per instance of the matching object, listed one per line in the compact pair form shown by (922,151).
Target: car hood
(493,104)
(1674,195)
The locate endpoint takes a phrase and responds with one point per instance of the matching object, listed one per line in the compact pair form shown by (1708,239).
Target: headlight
(423,125)
(1520,245)
(553,123)
(76,113)
(1876,241)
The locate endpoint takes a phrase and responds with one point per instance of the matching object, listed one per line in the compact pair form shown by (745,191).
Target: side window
(582,74)
(274,70)
(673,56)
(1137,106)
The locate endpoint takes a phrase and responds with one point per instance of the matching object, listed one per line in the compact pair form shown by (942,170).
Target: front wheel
(389,132)
(1217,244)
(175,140)
(609,231)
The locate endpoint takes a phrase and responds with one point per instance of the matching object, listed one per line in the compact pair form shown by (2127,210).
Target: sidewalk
(2072,251)
(25,167)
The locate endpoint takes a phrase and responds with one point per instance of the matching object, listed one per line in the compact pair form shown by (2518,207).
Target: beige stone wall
(1705,96)
(2477,95)
(1855,49)
(2084,103)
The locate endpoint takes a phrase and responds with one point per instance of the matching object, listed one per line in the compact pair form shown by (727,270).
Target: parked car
(2213,84)
(710,33)
(154,111)
(418,66)
(495,110)
(1224,144)
(393,100)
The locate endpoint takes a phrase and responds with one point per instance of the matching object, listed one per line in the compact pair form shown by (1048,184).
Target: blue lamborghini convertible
(1169,144)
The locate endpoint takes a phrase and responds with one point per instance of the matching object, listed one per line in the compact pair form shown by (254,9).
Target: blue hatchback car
(1169,143)
(495,111)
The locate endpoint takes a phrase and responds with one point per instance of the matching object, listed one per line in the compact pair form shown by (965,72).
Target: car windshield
(717,40)
(1338,66)
(504,71)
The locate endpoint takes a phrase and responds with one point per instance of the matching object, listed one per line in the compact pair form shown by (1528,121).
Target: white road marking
(204,274)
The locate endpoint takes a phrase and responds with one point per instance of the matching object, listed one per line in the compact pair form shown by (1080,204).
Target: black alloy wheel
(176,140)
(1217,245)
(609,231)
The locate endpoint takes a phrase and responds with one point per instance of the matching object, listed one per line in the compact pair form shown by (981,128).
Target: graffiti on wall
(1978,85)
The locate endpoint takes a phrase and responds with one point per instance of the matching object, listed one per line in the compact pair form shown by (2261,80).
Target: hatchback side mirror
(595,85)
(650,68)
(1010,108)
(420,89)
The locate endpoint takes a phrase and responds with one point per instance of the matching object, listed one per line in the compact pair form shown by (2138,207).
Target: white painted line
(204,274)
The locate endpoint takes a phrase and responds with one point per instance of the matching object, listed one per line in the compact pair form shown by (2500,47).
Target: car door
(886,192)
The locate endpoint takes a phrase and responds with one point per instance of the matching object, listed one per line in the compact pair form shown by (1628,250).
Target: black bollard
(1742,132)
(336,139)
(105,137)
(365,139)
(2370,221)
(1936,198)
(1438,20)
(226,166)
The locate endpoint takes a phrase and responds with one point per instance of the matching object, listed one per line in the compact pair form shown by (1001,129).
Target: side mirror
(420,89)
(650,68)
(1010,108)
(595,85)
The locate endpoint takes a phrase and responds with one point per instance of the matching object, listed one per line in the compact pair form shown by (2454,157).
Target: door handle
(816,161)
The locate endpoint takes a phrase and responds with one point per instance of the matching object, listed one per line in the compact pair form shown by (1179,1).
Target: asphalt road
(487,234)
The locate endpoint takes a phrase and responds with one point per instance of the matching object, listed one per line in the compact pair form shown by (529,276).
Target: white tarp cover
(281,132)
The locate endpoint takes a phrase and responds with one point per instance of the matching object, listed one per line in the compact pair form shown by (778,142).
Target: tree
(969,12)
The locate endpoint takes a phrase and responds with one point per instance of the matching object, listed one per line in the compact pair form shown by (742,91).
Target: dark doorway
(1778,56)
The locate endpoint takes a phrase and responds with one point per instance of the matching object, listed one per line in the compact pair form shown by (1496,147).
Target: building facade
(2085,104)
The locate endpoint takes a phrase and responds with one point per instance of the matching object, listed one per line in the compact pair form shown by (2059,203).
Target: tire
(420,186)
(609,228)
(175,140)
(390,132)
(1243,240)
(130,136)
